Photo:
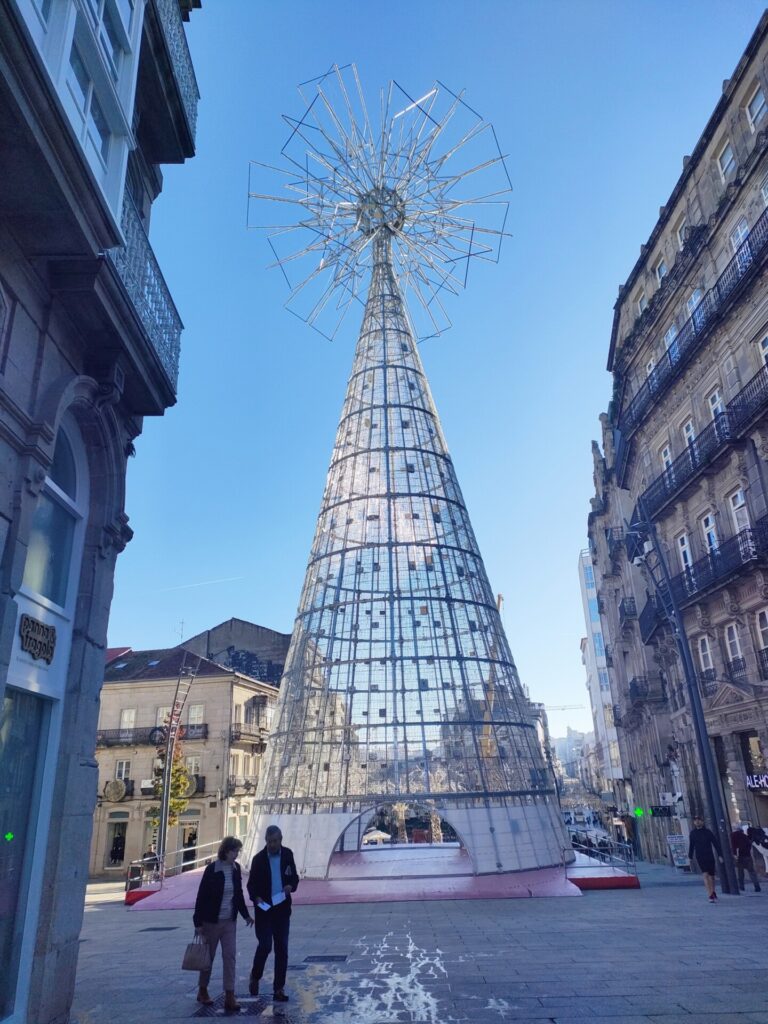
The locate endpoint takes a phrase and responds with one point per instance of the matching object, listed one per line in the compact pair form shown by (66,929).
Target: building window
(661,270)
(709,530)
(650,366)
(689,434)
(739,513)
(94,123)
(684,551)
(705,654)
(666,457)
(193,764)
(726,161)
(49,553)
(762,627)
(682,224)
(597,639)
(234,764)
(605,685)
(671,343)
(764,190)
(122,770)
(589,576)
(732,641)
(641,302)
(594,611)
(756,108)
(163,716)
(247,765)
(764,350)
(44,9)
(739,234)
(127,723)
(715,402)
(694,307)
(196,714)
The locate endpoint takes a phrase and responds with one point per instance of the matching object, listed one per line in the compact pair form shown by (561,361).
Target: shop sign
(678,848)
(37,638)
(757,781)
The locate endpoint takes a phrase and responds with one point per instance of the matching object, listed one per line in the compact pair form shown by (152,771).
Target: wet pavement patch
(249,1007)
(326,959)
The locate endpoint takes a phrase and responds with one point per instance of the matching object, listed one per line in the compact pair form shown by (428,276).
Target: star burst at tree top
(427,172)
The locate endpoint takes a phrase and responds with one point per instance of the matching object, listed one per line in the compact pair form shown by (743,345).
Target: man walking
(741,845)
(704,845)
(272,879)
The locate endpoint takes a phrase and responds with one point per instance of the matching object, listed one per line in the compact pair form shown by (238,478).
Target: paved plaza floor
(658,955)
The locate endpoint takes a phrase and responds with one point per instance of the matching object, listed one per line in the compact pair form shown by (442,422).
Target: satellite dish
(114,791)
(192,786)
(157,736)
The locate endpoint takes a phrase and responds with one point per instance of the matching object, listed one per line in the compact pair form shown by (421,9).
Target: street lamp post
(645,527)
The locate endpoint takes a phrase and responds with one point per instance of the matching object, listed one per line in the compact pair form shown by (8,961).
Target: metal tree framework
(399,683)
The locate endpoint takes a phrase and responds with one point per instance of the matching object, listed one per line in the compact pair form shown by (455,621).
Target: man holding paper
(272,879)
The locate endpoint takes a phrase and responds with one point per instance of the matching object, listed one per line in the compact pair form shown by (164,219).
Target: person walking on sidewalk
(741,845)
(219,900)
(704,845)
(272,879)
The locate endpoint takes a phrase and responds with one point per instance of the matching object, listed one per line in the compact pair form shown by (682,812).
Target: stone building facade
(225,727)
(687,429)
(95,95)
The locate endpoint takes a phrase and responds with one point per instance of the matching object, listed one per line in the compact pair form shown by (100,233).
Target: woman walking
(219,901)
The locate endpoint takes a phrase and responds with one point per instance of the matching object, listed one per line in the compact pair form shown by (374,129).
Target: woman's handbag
(197,956)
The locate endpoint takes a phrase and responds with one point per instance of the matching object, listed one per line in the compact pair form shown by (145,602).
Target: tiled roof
(135,666)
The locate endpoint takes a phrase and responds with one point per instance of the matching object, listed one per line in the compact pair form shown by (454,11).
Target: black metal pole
(717,812)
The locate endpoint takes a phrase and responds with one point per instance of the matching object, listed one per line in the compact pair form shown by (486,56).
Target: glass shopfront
(22,723)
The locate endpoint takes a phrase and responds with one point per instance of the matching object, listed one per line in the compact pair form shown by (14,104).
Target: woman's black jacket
(211,893)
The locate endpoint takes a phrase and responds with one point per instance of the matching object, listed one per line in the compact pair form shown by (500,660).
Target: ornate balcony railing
(745,548)
(627,610)
(142,278)
(183,70)
(762,663)
(650,618)
(716,436)
(242,783)
(737,671)
(614,535)
(693,332)
(248,732)
(708,683)
(151,736)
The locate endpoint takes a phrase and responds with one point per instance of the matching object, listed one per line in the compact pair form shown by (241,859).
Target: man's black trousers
(272,927)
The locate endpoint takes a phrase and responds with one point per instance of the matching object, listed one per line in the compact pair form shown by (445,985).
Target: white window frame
(123,769)
(192,763)
(641,302)
(726,169)
(763,346)
(705,654)
(762,627)
(661,270)
(683,545)
(764,190)
(737,504)
(682,224)
(715,402)
(738,234)
(196,714)
(163,715)
(665,454)
(709,532)
(694,300)
(670,343)
(755,120)
(732,642)
(689,436)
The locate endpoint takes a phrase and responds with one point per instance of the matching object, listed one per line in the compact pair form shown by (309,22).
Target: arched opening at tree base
(399,838)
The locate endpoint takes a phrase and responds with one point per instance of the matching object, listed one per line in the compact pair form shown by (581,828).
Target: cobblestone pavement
(658,955)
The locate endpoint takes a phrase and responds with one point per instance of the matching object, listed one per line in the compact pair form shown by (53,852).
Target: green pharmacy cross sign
(8,837)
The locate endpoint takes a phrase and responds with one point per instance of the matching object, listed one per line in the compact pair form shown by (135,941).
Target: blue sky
(596,104)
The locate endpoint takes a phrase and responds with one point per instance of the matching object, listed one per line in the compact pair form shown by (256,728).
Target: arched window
(60,508)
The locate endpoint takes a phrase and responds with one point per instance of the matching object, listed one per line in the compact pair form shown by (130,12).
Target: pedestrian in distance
(741,845)
(219,900)
(272,879)
(705,846)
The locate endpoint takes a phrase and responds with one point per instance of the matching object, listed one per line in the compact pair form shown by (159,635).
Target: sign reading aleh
(757,781)
(37,638)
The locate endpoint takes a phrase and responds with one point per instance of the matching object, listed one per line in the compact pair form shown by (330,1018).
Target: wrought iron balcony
(142,279)
(242,784)
(716,436)
(736,670)
(152,736)
(651,617)
(708,683)
(627,610)
(248,732)
(695,329)
(639,689)
(614,535)
(169,16)
(609,655)
(744,549)
(762,662)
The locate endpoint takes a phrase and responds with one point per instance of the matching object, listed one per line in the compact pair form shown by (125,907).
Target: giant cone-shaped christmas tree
(399,684)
